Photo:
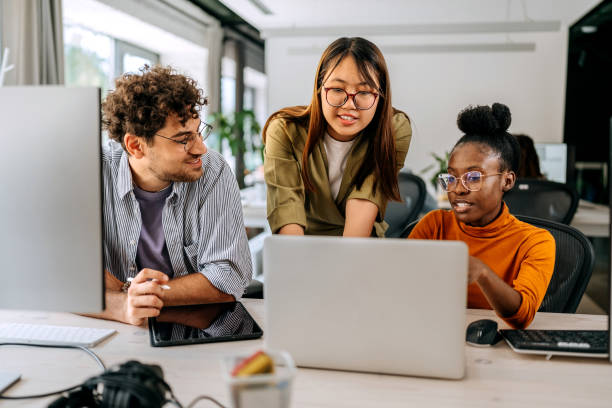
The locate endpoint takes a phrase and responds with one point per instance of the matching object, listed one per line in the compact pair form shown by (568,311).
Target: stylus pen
(165,287)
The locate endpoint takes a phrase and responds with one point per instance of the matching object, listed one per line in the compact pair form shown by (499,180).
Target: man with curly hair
(172,211)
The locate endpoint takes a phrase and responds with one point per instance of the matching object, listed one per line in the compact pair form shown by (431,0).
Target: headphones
(130,384)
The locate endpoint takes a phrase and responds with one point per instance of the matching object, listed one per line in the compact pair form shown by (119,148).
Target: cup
(261,390)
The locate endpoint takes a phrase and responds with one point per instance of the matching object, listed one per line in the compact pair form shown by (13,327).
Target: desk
(255,215)
(593,220)
(254,206)
(496,376)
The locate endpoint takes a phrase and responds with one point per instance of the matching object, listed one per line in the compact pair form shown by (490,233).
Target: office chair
(398,215)
(408,229)
(254,290)
(574,261)
(542,199)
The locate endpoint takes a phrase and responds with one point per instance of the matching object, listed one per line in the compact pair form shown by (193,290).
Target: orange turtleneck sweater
(519,253)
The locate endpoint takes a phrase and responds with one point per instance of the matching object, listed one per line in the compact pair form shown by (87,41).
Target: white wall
(433,87)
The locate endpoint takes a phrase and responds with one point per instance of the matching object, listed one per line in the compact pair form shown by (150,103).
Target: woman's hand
(476,269)
(502,297)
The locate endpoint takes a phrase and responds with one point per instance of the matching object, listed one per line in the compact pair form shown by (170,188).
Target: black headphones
(130,384)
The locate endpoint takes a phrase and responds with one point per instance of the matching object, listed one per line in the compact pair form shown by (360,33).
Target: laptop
(391,306)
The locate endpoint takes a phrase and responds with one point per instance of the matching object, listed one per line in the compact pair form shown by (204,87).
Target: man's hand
(145,297)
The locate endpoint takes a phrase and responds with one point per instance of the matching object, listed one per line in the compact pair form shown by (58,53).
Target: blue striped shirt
(202,222)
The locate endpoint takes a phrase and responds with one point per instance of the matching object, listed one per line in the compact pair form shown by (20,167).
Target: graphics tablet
(207,323)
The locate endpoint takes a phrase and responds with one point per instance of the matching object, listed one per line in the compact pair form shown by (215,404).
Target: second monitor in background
(553,161)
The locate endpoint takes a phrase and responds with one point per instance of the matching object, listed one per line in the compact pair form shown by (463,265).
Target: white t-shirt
(337,154)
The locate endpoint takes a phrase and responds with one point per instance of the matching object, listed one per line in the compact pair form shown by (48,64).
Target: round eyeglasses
(362,100)
(472,180)
(188,140)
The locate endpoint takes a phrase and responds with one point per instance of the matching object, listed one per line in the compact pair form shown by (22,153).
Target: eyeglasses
(189,140)
(472,180)
(362,100)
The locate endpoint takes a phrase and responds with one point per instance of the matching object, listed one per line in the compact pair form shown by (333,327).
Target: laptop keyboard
(574,341)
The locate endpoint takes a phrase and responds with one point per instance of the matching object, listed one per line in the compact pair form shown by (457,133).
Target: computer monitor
(553,160)
(51,253)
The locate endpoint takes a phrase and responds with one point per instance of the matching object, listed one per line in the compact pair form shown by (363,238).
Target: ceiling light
(588,29)
(407,29)
(261,7)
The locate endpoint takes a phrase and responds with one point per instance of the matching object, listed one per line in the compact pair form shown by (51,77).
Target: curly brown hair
(141,102)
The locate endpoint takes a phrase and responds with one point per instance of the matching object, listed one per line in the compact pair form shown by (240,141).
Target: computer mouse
(482,333)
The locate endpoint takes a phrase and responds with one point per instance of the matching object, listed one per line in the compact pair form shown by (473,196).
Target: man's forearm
(193,289)
(115,307)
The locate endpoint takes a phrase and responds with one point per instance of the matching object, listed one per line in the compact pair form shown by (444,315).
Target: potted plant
(440,165)
(241,130)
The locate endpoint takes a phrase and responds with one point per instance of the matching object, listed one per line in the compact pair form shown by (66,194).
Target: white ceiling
(310,13)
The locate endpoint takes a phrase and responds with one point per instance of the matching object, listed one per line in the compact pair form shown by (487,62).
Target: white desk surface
(593,220)
(496,376)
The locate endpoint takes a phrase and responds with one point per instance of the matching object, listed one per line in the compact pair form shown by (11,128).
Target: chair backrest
(398,215)
(542,199)
(574,263)
(408,229)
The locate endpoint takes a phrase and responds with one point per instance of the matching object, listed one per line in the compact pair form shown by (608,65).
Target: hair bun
(484,120)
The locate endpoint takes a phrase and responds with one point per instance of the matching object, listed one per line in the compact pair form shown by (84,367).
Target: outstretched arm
(360,217)
(501,296)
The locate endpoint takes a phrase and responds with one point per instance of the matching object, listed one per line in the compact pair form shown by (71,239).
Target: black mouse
(482,333)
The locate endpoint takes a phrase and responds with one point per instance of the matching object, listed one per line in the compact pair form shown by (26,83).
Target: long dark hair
(529,166)
(380,157)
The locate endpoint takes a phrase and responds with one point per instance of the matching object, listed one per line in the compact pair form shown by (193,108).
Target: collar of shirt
(125,184)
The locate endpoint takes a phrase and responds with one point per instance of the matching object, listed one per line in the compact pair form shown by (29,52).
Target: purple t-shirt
(152,251)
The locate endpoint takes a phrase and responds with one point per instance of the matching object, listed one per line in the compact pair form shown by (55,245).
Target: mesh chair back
(574,262)
(542,199)
(408,229)
(399,214)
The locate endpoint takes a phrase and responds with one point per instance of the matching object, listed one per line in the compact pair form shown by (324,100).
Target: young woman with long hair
(331,166)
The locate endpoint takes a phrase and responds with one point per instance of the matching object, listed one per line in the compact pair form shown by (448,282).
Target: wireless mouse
(482,333)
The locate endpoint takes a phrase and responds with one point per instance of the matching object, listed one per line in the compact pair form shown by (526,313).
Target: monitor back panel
(50,210)
(365,304)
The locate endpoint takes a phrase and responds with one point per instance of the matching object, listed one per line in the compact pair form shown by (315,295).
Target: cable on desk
(85,349)
(205,397)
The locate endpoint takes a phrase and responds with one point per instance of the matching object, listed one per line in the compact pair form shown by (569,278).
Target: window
(94,59)
(254,100)
(131,58)
(89,58)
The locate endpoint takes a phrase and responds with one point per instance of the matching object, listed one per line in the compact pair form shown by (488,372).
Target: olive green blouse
(318,212)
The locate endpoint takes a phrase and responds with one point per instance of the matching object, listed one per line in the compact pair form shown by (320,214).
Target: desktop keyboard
(586,342)
(47,335)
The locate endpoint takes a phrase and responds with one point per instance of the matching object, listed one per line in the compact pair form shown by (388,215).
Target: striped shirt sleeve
(223,251)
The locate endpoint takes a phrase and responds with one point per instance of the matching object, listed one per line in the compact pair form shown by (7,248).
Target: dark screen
(202,324)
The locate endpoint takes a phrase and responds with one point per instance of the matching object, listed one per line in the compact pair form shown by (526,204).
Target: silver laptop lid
(367,304)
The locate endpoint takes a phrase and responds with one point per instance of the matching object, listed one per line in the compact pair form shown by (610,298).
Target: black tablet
(208,323)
